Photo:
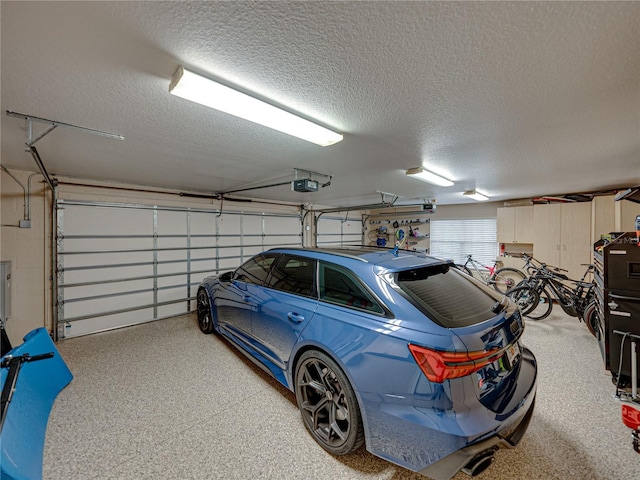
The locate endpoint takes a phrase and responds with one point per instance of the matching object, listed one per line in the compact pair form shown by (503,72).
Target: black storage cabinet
(617,278)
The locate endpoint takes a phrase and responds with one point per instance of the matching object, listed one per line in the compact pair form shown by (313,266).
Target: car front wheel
(328,404)
(205,319)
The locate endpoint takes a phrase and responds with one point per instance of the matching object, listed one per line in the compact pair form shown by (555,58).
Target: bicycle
(575,297)
(502,279)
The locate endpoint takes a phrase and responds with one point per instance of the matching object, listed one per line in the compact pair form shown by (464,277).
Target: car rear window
(448,297)
(340,287)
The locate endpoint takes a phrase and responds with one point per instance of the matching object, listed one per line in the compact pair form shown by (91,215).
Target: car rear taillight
(439,366)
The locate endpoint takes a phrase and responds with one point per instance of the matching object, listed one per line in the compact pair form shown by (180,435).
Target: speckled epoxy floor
(163,401)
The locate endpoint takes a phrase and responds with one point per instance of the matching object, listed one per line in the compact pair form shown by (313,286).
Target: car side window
(295,275)
(255,270)
(340,287)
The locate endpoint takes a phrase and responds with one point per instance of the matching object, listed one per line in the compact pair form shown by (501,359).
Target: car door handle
(246,298)
(294,317)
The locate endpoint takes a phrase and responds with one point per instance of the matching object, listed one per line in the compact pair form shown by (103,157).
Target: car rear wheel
(328,404)
(205,319)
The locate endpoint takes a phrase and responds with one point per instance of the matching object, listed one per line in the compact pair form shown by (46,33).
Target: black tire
(464,269)
(591,318)
(205,317)
(504,279)
(525,297)
(335,423)
(543,307)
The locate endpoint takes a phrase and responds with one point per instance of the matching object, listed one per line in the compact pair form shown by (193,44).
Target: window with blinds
(455,239)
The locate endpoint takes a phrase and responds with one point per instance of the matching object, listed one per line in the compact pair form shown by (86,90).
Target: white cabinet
(515,225)
(562,236)
(602,216)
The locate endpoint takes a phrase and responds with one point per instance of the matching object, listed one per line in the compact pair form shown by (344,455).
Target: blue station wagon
(395,350)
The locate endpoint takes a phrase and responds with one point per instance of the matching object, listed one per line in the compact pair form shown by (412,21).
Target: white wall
(28,251)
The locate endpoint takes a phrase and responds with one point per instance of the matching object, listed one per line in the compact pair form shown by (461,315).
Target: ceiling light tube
(427,176)
(212,94)
(476,195)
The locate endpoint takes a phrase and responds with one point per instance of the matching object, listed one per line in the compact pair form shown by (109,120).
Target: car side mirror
(226,277)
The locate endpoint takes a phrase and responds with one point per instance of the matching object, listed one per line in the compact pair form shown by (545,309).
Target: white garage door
(339,231)
(120,264)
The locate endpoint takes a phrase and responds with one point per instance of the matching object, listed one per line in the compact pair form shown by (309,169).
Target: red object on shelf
(502,249)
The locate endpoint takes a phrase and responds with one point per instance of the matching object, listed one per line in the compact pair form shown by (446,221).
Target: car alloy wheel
(328,404)
(205,322)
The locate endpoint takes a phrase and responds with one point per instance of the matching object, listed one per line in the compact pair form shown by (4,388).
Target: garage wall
(28,251)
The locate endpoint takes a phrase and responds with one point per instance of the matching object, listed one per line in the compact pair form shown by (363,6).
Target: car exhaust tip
(479,463)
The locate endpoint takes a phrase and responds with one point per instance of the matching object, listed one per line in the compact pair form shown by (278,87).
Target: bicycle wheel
(464,269)
(543,308)
(591,318)
(525,297)
(504,279)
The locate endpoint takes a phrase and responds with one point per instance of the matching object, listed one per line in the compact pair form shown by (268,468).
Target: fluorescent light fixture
(476,195)
(212,94)
(427,176)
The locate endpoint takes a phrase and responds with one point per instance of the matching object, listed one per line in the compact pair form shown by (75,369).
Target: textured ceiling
(515,99)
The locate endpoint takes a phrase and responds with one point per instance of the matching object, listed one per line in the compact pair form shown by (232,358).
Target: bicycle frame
(484,271)
(572,300)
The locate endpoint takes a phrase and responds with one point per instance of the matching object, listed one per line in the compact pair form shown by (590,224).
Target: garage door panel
(94,306)
(339,231)
(123,264)
(252,225)
(106,273)
(282,225)
(114,289)
(105,220)
(87,326)
(171,222)
(203,223)
(171,310)
(102,259)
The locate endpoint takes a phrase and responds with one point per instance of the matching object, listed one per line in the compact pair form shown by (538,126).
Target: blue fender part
(38,385)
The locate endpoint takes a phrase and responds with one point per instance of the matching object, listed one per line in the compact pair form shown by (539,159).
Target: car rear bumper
(447,467)
(440,443)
